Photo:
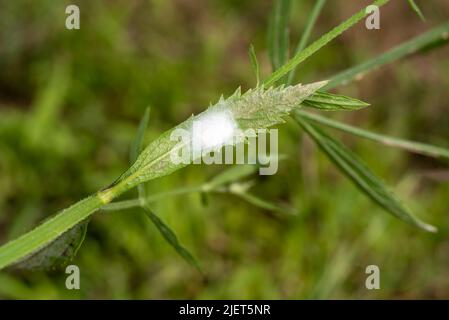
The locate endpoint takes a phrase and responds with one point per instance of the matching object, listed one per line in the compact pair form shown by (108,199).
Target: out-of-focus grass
(70,102)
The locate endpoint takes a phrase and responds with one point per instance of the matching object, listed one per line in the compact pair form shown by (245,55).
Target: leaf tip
(429,228)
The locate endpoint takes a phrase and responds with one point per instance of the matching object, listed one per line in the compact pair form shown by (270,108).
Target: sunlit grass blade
(433,38)
(412,146)
(278,38)
(363,178)
(171,238)
(318,44)
(306,34)
(254,63)
(333,102)
(416,9)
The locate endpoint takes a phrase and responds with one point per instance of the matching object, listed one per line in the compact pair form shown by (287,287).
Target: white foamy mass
(213,129)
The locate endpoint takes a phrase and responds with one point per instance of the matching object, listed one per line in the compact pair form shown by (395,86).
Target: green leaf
(171,238)
(168,234)
(360,175)
(431,39)
(62,249)
(333,102)
(257,108)
(318,44)
(154,162)
(59,252)
(319,4)
(48,231)
(278,40)
(412,146)
(416,9)
(254,63)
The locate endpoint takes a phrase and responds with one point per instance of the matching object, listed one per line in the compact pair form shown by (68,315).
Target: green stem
(435,36)
(50,230)
(133,203)
(318,44)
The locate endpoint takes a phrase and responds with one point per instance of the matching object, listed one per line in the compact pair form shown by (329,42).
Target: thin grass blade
(171,238)
(434,38)
(361,176)
(412,146)
(416,9)
(318,44)
(319,4)
(278,38)
(254,63)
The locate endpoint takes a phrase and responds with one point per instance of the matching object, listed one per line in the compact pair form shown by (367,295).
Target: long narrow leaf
(171,238)
(168,234)
(278,42)
(416,9)
(58,253)
(412,146)
(254,63)
(362,176)
(318,44)
(48,231)
(433,38)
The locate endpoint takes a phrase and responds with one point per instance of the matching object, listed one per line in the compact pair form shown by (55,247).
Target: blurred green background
(70,103)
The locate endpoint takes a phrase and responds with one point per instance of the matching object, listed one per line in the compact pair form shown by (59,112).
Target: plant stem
(430,38)
(51,229)
(128,204)
(318,44)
